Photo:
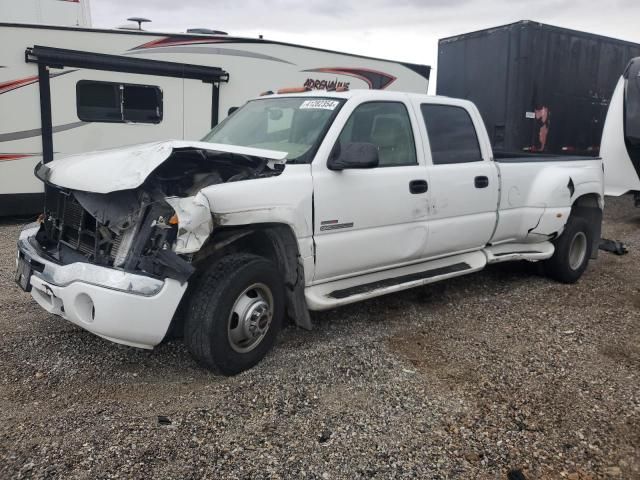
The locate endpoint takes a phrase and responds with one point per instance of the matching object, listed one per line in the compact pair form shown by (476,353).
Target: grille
(68,224)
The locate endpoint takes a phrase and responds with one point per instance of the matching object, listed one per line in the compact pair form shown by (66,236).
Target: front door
(376,218)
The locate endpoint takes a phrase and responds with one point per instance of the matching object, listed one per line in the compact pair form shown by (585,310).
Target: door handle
(418,186)
(481,182)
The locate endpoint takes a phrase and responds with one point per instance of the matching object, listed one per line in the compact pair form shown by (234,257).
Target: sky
(404,30)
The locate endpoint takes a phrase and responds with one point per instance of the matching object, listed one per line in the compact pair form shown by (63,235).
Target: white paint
(133,320)
(620,175)
(194,222)
(511,252)
(126,168)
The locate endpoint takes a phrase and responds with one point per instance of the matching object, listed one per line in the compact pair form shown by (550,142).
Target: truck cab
(297,201)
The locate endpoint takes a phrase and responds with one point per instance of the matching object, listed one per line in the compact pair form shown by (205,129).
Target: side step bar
(533,252)
(354,289)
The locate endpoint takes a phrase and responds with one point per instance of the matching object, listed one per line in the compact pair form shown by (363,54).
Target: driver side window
(387,126)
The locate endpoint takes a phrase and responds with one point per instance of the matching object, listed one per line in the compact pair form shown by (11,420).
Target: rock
(472,457)
(613,471)
(163,420)
(325,436)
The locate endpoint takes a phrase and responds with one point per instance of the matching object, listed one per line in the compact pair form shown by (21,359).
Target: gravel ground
(497,372)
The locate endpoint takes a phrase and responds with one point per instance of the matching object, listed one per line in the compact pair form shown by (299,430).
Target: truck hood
(126,168)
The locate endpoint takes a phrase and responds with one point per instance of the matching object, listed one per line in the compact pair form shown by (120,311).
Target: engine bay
(147,229)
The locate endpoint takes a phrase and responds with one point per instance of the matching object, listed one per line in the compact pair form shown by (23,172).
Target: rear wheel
(573,250)
(235,313)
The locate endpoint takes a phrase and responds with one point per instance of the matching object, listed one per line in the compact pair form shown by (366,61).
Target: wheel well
(278,243)
(589,208)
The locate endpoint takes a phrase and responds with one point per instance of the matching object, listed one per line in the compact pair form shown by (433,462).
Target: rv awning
(60,58)
(48,57)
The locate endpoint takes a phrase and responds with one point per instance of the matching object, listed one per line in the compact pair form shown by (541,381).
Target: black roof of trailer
(423,70)
(531,23)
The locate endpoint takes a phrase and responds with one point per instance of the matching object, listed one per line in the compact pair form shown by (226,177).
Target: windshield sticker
(319,104)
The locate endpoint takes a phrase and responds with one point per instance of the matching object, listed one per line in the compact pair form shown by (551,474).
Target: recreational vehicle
(93,106)
(621,137)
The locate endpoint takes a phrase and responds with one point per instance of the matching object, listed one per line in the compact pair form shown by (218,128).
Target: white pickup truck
(296,202)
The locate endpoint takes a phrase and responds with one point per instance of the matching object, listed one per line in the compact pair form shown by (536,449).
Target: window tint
(118,102)
(451,133)
(388,127)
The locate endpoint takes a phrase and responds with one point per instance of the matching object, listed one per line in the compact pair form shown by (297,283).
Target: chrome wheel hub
(577,250)
(250,318)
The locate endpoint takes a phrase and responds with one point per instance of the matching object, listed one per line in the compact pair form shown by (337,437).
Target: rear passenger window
(451,133)
(118,102)
(388,127)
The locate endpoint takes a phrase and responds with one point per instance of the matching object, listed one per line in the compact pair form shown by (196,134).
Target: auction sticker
(319,104)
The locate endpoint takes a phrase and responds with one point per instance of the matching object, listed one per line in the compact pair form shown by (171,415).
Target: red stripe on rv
(13,84)
(7,157)
(23,82)
(170,41)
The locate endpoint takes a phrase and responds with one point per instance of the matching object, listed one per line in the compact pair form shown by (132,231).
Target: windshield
(294,125)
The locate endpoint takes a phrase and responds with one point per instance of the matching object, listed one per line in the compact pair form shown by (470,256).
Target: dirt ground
(500,374)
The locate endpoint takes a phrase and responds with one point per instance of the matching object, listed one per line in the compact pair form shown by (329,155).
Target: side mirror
(353,155)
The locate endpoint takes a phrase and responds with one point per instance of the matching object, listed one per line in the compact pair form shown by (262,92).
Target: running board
(355,289)
(510,252)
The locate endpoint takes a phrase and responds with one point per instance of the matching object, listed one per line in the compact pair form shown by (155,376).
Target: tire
(573,251)
(234,313)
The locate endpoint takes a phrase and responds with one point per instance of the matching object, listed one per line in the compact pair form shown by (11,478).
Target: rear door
(376,218)
(463,180)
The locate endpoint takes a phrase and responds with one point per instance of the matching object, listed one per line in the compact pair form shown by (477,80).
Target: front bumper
(122,307)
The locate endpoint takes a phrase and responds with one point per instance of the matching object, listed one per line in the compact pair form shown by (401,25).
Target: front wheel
(235,313)
(573,250)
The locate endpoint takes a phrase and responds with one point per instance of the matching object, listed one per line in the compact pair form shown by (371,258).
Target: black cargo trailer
(539,88)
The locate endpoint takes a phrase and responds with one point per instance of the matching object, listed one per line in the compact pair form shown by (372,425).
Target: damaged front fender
(195,222)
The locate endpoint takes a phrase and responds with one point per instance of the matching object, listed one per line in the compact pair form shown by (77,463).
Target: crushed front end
(117,262)
(105,264)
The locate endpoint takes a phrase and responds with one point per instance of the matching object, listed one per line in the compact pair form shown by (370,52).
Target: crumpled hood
(127,168)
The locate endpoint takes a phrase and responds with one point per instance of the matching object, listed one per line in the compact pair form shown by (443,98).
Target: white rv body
(620,176)
(253,65)
(620,148)
(68,13)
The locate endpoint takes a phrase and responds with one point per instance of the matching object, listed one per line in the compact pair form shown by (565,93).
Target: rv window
(98,102)
(452,134)
(118,102)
